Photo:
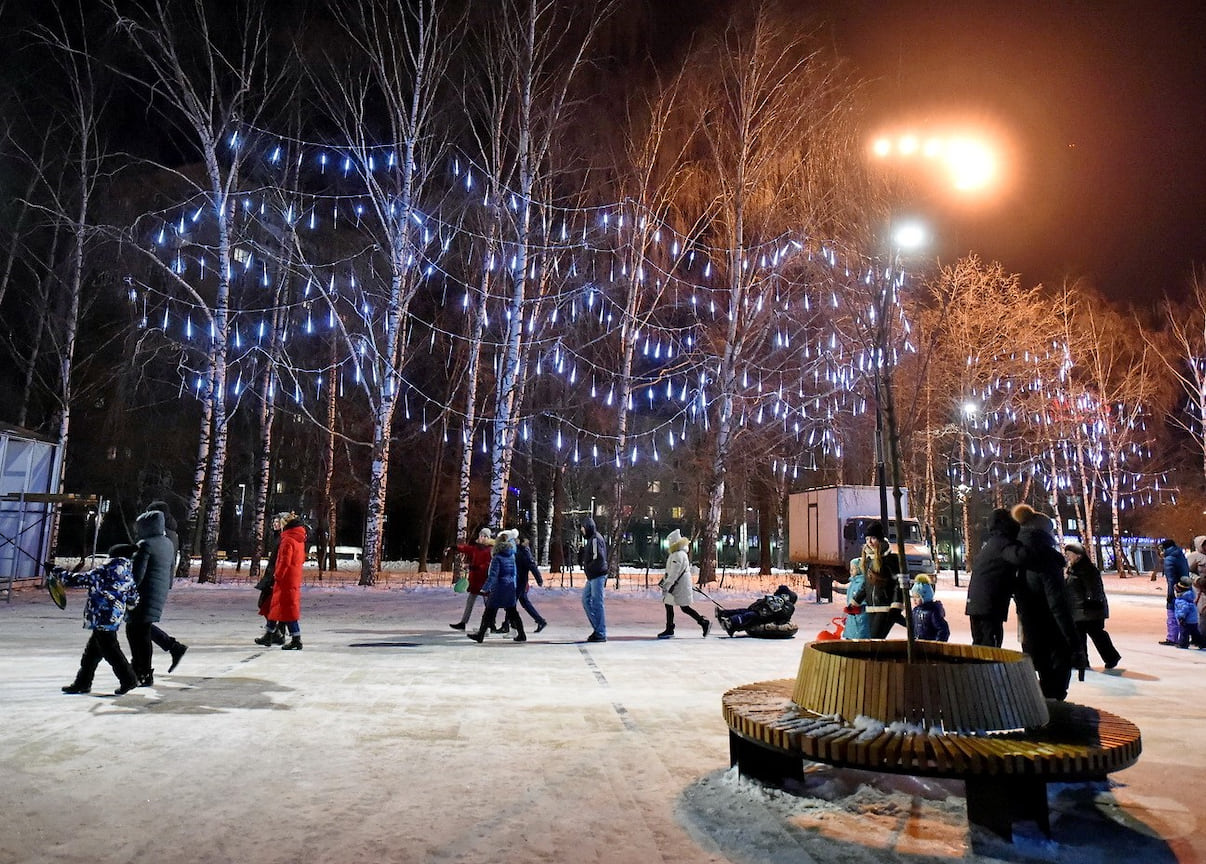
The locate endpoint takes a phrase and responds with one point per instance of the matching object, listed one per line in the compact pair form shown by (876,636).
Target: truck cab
(918,555)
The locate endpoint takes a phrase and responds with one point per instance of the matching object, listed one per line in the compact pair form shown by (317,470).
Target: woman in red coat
(477,559)
(287,579)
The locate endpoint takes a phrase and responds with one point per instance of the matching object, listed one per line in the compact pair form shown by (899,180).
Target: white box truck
(826,526)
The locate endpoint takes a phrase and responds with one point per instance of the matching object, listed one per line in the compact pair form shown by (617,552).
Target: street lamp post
(950,476)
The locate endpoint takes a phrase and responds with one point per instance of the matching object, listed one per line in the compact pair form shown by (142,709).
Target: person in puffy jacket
(499,588)
(676,585)
(478,556)
(286,585)
(994,575)
(1049,635)
(1090,608)
(111,592)
(152,566)
(929,617)
(1187,616)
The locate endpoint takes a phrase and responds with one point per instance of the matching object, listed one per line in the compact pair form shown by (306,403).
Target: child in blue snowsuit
(929,618)
(111,592)
(1186,609)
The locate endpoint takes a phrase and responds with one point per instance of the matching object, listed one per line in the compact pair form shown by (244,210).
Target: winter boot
(147,680)
(706,625)
(177,652)
(520,635)
(78,686)
(668,633)
(126,686)
(480,635)
(294,644)
(267,638)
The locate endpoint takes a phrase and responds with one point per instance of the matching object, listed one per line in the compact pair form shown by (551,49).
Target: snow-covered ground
(393,738)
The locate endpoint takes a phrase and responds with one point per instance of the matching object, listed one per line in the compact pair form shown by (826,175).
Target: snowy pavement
(393,738)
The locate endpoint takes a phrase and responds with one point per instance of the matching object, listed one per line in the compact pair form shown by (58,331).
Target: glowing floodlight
(908,145)
(882,147)
(910,235)
(971,163)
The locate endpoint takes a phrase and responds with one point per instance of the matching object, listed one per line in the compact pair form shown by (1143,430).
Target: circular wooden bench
(1005,773)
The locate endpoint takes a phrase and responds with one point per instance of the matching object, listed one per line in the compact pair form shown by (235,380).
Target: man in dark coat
(152,566)
(1049,635)
(994,576)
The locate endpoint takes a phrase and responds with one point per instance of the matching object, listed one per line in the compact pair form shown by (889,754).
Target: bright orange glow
(971,163)
(965,158)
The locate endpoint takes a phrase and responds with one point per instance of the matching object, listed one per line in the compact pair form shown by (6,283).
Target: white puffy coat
(676,584)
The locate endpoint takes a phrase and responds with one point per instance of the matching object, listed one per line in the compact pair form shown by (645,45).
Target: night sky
(1105,103)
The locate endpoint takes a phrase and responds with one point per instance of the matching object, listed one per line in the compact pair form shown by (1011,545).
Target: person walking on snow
(285,607)
(525,566)
(1090,608)
(1176,567)
(500,588)
(478,556)
(111,592)
(152,570)
(592,558)
(676,585)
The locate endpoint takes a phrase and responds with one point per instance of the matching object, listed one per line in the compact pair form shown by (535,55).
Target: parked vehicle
(826,527)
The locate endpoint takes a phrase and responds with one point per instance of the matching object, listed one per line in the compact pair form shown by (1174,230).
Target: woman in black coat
(1090,608)
(994,575)
(881,597)
(1049,635)
(152,568)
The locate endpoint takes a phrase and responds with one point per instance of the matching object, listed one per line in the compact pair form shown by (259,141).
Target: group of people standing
(1059,594)
(1185,576)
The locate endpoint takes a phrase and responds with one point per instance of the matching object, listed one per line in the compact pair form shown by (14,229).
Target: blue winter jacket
(1186,607)
(111,592)
(500,581)
(857,625)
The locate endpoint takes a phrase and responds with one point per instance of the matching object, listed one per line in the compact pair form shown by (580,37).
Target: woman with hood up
(285,607)
(994,575)
(1049,635)
(152,565)
(676,585)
